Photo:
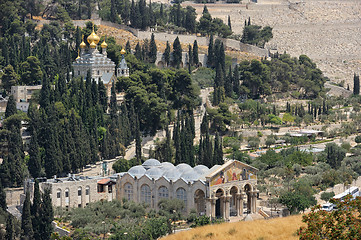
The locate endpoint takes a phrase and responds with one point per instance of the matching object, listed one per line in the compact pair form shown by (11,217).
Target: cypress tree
(113,103)
(46,216)
(10,230)
(210,56)
(45,93)
(52,155)
(229,22)
(228,86)
(138,142)
(138,52)
(10,107)
(356,84)
(152,50)
(190,56)
(2,197)
(166,54)
(195,53)
(177,53)
(34,164)
(168,148)
(26,224)
(113,12)
(128,49)
(177,140)
(218,152)
(236,85)
(103,98)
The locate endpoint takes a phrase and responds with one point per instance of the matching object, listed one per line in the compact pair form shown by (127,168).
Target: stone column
(209,207)
(240,197)
(253,201)
(227,206)
(213,205)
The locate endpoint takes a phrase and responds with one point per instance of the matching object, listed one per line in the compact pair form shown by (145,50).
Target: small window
(78,72)
(110,189)
(79,205)
(79,192)
(87,191)
(58,194)
(100,188)
(98,72)
(66,194)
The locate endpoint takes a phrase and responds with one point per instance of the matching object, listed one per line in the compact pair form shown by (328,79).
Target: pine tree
(10,230)
(195,53)
(210,56)
(10,107)
(152,50)
(166,54)
(3,204)
(356,84)
(26,224)
(177,53)
(34,163)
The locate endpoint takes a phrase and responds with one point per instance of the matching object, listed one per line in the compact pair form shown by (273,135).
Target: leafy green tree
(26,223)
(121,165)
(343,223)
(31,73)
(9,78)
(326,196)
(334,155)
(10,107)
(358,139)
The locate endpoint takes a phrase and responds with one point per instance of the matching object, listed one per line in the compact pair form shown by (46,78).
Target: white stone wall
(190,189)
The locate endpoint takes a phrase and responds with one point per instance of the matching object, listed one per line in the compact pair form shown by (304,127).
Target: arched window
(128,191)
(67,197)
(79,196)
(87,195)
(145,194)
(163,192)
(182,195)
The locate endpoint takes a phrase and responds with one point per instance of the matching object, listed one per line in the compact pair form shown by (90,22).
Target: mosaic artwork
(235,172)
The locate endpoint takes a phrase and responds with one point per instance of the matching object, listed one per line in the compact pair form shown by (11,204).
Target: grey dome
(154,172)
(201,169)
(151,163)
(183,167)
(137,171)
(191,175)
(173,174)
(167,164)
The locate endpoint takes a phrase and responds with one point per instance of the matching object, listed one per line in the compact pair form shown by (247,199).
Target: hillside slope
(278,228)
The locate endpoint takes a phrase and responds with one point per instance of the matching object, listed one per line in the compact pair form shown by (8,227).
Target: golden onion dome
(82,44)
(78,56)
(104,44)
(93,45)
(123,51)
(93,37)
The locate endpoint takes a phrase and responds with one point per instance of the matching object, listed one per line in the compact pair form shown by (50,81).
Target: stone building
(74,191)
(100,66)
(22,95)
(222,191)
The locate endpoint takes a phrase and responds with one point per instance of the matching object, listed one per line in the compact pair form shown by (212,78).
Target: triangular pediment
(232,170)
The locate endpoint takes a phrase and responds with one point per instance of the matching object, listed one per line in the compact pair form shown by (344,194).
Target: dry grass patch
(277,229)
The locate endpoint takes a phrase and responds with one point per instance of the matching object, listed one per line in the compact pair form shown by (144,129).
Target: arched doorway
(248,202)
(200,203)
(219,203)
(233,207)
